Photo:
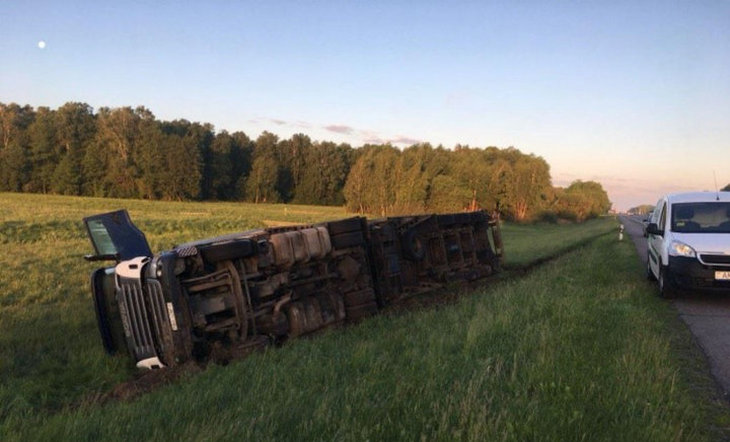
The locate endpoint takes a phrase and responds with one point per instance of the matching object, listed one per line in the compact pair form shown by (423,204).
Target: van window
(655,214)
(710,217)
(663,216)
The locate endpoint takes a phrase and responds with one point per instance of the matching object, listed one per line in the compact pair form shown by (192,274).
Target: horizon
(633,96)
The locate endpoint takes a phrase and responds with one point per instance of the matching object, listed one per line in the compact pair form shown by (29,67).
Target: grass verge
(529,244)
(578,349)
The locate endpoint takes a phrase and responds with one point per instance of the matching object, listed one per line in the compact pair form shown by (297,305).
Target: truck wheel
(649,274)
(297,319)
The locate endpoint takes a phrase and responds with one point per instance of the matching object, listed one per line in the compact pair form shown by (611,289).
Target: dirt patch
(148,381)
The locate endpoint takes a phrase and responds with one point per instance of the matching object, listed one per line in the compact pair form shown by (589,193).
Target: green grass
(577,349)
(527,244)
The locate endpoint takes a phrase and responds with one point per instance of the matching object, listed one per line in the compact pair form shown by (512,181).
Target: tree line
(126,152)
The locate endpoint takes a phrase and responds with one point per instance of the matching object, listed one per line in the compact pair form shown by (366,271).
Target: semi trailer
(268,285)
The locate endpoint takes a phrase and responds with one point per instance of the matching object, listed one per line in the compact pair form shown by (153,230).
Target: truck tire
(297,317)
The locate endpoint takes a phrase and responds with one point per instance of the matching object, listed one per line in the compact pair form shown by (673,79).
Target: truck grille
(160,321)
(146,319)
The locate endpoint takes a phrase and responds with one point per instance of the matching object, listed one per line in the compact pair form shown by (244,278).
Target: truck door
(115,237)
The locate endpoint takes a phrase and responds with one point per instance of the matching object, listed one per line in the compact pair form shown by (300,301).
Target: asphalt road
(707,316)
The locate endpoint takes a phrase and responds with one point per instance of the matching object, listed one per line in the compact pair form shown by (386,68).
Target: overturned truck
(267,285)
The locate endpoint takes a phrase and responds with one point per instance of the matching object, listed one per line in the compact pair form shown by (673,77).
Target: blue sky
(635,95)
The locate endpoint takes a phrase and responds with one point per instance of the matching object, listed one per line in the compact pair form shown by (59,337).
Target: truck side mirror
(653,229)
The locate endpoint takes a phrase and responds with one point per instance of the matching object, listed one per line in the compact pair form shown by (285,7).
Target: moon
(41,44)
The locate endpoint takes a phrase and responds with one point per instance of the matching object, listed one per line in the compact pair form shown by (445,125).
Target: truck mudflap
(277,283)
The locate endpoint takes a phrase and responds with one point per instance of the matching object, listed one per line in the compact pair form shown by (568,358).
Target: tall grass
(527,244)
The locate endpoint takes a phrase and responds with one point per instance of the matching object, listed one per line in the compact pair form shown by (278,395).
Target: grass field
(577,349)
(527,244)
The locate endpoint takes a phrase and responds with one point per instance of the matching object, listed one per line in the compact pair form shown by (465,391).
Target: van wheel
(649,274)
(666,290)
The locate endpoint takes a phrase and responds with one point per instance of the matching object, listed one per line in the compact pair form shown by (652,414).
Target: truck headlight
(677,248)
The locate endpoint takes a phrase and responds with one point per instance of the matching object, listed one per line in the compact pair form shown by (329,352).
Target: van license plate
(724,276)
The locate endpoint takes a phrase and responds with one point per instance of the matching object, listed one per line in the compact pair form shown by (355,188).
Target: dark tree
(261,184)
(222,165)
(75,124)
(181,174)
(322,179)
(293,154)
(44,150)
(15,167)
(242,159)
(264,181)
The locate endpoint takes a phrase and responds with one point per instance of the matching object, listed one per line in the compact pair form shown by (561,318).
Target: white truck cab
(688,240)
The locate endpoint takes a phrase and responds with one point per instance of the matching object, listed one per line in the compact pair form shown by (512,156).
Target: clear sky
(633,94)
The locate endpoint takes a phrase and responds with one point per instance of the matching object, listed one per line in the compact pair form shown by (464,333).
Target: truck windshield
(710,217)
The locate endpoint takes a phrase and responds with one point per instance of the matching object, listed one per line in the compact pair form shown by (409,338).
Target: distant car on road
(689,243)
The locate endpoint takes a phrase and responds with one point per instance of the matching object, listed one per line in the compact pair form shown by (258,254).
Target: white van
(689,243)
